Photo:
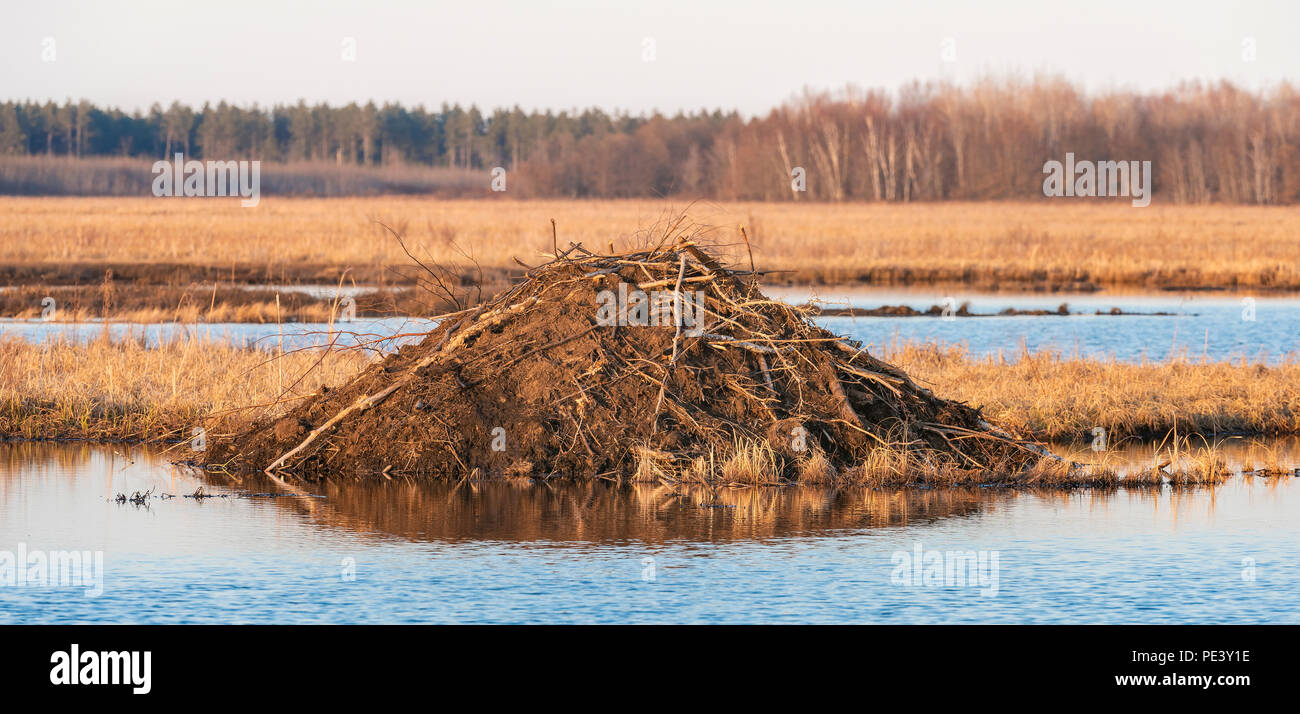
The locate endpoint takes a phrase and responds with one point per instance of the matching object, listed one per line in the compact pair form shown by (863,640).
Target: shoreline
(132,305)
(64,275)
(114,297)
(1180,468)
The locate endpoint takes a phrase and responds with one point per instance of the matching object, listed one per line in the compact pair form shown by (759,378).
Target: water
(561,553)
(318,292)
(1216,326)
(381,333)
(1199,325)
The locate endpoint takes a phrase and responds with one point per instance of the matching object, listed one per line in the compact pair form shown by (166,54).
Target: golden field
(1040,244)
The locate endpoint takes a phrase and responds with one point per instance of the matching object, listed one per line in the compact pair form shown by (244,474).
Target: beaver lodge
(656,365)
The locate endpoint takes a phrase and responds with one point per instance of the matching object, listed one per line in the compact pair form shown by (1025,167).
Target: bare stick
(362,403)
(767,376)
(745,235)
(677,315)
(280,327)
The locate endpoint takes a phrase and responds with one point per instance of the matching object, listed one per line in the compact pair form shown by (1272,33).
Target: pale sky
(748,55)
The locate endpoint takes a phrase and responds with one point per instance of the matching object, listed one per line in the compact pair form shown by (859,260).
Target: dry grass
(263,311)
(1268,460)
(750,464)
(1042,243)
(1179,462)
(1182,461)
(1049,397)
(123,390)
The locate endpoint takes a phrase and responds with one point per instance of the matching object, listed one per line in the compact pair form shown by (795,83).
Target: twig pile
(723,385)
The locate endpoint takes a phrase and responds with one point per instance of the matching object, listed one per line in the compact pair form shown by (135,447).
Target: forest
(1212,142)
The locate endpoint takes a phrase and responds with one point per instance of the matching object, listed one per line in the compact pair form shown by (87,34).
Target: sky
(668,56)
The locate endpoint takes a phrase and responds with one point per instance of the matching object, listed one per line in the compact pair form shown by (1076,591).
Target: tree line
(924,142)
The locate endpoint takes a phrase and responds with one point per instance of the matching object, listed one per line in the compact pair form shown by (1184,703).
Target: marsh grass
(1051,397)
(125,390)
(1181,461)
(887,467)
(999,244)
(1264,459)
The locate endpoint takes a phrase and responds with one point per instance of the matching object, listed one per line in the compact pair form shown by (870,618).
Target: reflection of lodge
(600,511)
(591,511)
(515,510)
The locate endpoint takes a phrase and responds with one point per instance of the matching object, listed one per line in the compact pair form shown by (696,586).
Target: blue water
(597,553)
(1210,325)
(381,333)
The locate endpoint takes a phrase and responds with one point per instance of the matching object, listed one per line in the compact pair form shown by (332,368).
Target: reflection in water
(602,512)
(1277,454)
(262,551)
(565,511)
(593,512)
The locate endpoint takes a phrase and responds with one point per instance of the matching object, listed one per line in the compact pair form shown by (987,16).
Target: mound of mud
(657,364)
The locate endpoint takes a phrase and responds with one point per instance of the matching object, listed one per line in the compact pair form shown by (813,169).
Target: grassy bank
(1044,244)
(1053,398)
(123,390)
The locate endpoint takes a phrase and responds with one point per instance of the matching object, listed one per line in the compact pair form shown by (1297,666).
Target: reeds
(1051,397)
(1264,459)
(1180,463)
(124,390)
(1033,244)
